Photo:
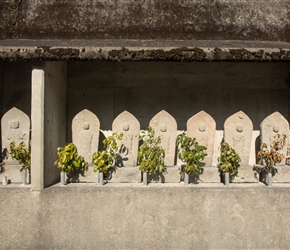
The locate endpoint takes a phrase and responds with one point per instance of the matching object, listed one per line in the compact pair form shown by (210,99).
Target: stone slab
(282,175)
(13,173)
(246,174)
(87,177)
(126,175)
(172,175)
(210,175)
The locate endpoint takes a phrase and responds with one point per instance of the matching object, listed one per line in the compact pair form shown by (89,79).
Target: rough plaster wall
(266,20)
(153,217)
(55,117)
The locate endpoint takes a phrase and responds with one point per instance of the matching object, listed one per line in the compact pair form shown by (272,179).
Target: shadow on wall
(182,89)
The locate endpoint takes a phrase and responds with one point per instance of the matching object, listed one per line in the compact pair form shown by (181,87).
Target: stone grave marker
(272,125)
(202,127)
(238,130)
(85,133)
(165,126)
(127,124)
(15,126)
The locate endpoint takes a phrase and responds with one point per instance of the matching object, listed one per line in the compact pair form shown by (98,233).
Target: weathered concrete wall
(154,217)
(182,89)
(149,19)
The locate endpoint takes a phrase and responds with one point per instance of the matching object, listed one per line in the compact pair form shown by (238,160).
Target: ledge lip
(144,50)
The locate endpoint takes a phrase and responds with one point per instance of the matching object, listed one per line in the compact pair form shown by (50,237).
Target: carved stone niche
(238,130)
(85,133)
(15,126)
(165,125)
(202,127)
(127,124)
(272,125)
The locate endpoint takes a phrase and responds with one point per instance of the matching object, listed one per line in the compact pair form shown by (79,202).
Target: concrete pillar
(48,119)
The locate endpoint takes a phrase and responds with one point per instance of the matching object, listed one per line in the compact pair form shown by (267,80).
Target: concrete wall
(182,89)
(153,217)
(148,19)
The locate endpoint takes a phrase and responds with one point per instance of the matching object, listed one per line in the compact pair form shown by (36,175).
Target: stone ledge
(133,50)
(281,174)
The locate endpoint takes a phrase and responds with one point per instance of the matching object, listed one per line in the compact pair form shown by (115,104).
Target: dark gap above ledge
(144,50)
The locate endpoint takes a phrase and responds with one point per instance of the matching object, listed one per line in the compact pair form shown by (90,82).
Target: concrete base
(246,174)
(88,177)
(281,174)
(158,216)
(126,175)
(210,175)
(13,173)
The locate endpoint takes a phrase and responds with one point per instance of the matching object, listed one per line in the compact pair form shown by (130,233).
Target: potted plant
(151,154)
(268,157)
(228,162)
(191,153)
(105,158)
(22,154)
(69,161)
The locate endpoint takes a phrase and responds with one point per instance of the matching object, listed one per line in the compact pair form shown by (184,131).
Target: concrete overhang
(144,50)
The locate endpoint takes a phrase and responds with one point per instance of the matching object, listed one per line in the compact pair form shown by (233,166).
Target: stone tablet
(127,124)
(202,127)
(238,130)
(165,126)
(85,133)
(272,125)
(15,126)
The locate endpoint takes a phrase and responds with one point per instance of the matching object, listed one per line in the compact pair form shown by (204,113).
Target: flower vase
(62,178)
(4,180)
(24,176)
(101,178)
(269,179)
(227,179)
(145,180)
(186,179)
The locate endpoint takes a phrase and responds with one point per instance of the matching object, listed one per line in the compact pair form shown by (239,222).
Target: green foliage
(68,159)
(269,157)
(21,153)
(191,153)
(229,160)
(107,157)
(151,154)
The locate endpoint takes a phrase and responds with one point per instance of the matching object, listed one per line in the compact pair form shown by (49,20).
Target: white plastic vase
(101,178)
(227,179)
(62,178)
(186,179)
(145,180)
